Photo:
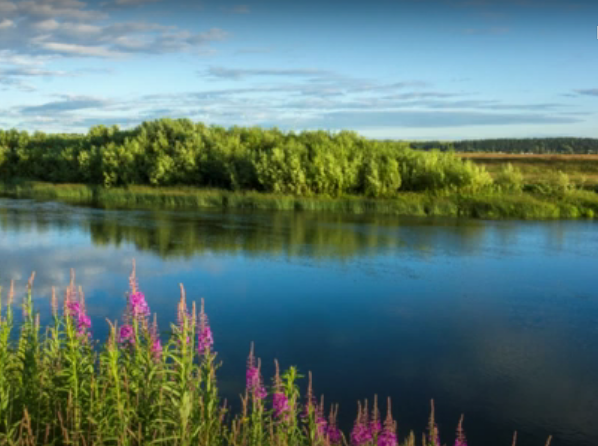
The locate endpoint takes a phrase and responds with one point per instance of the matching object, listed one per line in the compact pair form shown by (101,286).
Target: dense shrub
(557,184)
(509,179)
(179,152)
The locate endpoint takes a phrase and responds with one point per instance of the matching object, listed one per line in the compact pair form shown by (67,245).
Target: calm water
(498,320)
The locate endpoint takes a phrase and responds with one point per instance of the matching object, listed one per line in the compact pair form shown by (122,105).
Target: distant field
(582,169)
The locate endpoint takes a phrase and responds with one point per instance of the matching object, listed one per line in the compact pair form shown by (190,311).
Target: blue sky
(406,69)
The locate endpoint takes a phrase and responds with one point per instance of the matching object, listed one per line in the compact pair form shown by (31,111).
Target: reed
(61,386)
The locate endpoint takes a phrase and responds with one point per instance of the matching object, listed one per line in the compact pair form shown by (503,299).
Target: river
(494,319)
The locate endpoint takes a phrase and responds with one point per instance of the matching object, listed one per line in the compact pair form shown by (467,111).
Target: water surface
(497,320)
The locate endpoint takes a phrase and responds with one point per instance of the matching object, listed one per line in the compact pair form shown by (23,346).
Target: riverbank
(488,205)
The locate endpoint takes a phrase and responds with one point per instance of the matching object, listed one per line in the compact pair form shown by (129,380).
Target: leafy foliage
(509,179)
(179,152)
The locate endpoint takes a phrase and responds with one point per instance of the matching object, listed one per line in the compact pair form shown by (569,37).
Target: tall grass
(550,200)
(60,386)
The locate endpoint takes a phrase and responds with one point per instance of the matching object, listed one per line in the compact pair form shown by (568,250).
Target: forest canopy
(512,145)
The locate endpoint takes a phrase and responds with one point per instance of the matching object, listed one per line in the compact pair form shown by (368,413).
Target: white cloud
(6,23)
(79,50)
(241,73)
(71,9)
(8,57)
(134,2)
(7,7)
(46,25)
(72,28)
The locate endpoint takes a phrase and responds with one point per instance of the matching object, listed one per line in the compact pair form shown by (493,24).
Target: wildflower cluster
(61,388)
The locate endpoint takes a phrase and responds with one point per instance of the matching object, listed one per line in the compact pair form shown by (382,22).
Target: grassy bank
(490,204)
(61,386)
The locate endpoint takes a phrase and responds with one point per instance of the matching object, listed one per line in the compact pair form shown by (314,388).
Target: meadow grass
(60,386)
(582,169)
(491,204)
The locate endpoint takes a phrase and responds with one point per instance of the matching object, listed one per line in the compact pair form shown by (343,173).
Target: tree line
(566,146)
(180,152)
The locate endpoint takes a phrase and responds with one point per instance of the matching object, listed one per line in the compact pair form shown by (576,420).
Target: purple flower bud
(126,334)
(334,435)
(253,378)
(281,405)
(156,349)
(460,441)
(138,305)
(205,339)
(254,382)
(360,435)
(387,438)
(322,424)
(76,311)
(83,323)
(375,428)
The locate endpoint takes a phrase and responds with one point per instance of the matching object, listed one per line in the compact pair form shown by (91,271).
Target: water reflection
(498,320)
(185,234)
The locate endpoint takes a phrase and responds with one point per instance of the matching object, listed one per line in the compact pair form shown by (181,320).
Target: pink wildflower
(253,378)
(460,441)
(388,437)
(205,339)
(126,334)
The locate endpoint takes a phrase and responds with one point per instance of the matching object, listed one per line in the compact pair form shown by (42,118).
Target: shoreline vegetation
(61,386)
(178,164)
(492,205)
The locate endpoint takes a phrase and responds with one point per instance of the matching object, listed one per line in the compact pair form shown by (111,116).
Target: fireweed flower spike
(360,435)
(138,306)
(310,398)
(126,334)
(182,313)
(434,439)
(460,441)
(375,425)
(357,427)
(260,391)
(156,349)
(133,284)
(333,432)
(280,402)
(76,311)
(321,422)
(205,339)
(253,378)
(388,437)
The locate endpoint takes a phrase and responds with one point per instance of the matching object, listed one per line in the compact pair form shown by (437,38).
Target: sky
(400,69)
